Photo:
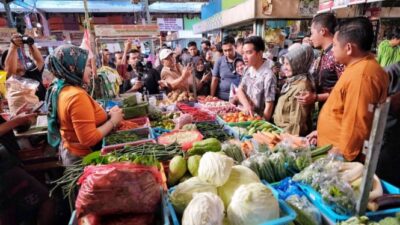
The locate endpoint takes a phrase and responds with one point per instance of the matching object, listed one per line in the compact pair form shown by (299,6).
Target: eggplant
(388,201)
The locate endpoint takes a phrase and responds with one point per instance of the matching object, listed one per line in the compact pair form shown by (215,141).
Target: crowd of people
(332,74)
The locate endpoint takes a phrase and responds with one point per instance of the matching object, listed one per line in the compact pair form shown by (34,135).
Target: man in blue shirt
(224,71)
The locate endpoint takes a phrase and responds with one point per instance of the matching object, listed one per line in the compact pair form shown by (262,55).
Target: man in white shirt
(258,86)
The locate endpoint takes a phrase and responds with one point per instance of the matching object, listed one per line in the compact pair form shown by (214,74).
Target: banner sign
(170,24)
(126,30)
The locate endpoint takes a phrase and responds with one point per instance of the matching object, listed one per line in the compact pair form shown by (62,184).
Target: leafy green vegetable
(233,151)
(121,137)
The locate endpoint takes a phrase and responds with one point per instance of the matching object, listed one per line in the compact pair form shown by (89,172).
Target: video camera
(27,40)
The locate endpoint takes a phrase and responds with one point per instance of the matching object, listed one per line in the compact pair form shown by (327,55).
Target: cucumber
(321,150)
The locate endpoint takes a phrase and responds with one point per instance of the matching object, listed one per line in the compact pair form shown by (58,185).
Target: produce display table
(262,148)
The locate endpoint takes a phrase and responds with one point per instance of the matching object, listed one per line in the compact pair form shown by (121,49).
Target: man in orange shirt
(346,118)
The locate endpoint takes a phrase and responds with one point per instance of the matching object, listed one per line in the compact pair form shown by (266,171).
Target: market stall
(210,155)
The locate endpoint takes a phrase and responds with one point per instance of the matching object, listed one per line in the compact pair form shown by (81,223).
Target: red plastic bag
(118,188)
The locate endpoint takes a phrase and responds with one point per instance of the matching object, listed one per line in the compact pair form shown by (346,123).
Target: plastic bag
(21,91)
(183,120)
(297,150)
(288,187)
(339,195)
(309,210)
(118,188)
(318,172)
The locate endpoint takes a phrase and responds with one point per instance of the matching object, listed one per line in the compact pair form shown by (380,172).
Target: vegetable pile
(197,114)
(160,152)
(219,107)
(257,126)
(184,138)
(366,221)
(221,186)
(145,154)
(127,125)
(276,163)
(209,98)
(338,183)
(179,96)
(210,130)
(236,117)
(164,121)
(123,137)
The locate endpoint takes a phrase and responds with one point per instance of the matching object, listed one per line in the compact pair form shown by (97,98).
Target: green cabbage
(252,204)
(183,193)
(204,209)
(239,175)
(215,168)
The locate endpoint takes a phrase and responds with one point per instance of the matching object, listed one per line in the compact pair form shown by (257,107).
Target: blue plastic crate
(316,198)
(287,214)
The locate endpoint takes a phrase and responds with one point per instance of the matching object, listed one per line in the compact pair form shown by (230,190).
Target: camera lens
(27,40)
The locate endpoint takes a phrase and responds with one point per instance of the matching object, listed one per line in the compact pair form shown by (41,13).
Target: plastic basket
(163,215)
(333,217)
(287,214)
(141,132)
(158,131)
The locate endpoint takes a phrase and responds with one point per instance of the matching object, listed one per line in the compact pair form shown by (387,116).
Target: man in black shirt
(15,62)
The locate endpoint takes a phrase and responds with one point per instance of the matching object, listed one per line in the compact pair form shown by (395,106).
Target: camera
(27,40)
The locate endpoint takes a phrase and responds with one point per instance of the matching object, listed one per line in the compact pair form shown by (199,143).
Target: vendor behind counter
(77,123)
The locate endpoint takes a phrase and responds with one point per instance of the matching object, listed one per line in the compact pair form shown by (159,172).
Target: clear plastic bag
(309,210)
(318,171)
(339,195)
(118,188)
(20,92)
(297,150)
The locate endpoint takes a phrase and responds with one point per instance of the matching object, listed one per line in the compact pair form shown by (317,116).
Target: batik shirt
(327,71)
(259,86)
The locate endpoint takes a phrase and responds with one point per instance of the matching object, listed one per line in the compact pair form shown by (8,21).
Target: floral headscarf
(67,63)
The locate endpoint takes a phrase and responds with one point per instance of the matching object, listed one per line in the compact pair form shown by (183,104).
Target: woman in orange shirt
(77,123)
